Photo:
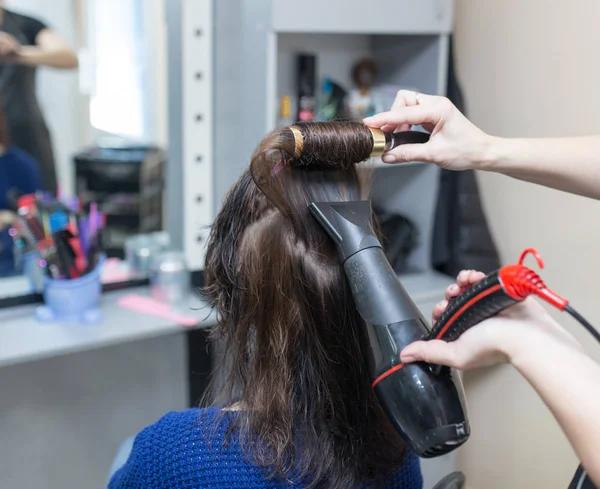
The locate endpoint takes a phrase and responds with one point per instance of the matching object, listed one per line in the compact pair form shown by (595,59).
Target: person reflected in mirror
(25,44)
(19,175)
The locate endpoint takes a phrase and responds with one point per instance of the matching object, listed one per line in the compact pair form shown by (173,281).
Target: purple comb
(93,224)
(84,234)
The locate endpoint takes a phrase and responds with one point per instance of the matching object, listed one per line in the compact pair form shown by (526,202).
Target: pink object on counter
(115,271)
(146,305)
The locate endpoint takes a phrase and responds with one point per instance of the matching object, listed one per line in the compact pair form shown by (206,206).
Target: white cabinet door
(363,16)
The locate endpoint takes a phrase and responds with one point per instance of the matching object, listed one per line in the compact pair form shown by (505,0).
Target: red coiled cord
(522,282)
(519,282)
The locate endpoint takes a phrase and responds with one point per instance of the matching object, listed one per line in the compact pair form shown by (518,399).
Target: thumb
(434,351)
(406,152)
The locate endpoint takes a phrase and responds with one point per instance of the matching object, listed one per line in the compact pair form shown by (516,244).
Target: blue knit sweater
(183,450)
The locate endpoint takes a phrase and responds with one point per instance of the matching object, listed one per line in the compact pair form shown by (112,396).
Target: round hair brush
(341,144)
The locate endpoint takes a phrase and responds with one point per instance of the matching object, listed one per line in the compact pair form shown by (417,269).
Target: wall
(531,69)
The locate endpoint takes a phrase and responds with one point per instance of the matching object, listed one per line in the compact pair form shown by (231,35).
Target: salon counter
(13,286)
(24,339)
(70,394)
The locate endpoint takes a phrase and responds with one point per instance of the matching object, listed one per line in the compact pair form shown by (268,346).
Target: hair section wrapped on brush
(313,146)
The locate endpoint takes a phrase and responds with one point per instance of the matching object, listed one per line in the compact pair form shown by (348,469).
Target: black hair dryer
(426,405)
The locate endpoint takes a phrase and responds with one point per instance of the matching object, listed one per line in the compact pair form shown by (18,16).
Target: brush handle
(385,141)
(395,139)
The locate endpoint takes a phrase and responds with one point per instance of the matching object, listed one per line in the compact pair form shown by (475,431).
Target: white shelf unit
(407,61)
(256,43)
(382,16)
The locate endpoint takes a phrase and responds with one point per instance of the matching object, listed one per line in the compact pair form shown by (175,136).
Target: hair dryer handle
(483,300)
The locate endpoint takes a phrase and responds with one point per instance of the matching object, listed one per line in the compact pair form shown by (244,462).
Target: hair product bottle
(285,112)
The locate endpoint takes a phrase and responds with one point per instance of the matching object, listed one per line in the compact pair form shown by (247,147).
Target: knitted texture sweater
(187,450)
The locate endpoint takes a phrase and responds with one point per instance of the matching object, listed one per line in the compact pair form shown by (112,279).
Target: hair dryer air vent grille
(444,448)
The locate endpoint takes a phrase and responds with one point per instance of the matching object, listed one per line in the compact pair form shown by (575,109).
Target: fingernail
(454,288)
(367,119)
(444,304)
(389,159)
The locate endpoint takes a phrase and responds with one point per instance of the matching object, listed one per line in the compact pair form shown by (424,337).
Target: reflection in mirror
(82,114)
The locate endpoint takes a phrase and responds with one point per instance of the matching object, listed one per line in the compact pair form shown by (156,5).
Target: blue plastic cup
(72,301)
(33,270)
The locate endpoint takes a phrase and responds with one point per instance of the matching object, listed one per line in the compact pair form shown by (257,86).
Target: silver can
(169,277)
(140,251)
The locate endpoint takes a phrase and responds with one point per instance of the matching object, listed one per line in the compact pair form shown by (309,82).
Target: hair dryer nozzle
(349,224)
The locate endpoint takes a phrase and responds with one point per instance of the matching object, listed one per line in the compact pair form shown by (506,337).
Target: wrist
(28,55)
(493,154)
(532,347)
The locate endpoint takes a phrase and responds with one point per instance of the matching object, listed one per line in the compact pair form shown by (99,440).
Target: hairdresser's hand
(505,338)
(455,143)
(9,46)
(7,219)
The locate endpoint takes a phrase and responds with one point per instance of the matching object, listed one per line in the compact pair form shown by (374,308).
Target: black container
(128,185)
(306,82)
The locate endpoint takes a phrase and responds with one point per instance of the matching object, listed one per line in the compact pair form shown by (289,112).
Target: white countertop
(14,286)
(24,339)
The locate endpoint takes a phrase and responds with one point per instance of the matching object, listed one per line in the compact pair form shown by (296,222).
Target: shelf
(374,17)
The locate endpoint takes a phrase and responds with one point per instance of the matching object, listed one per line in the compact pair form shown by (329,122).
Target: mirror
(83,98)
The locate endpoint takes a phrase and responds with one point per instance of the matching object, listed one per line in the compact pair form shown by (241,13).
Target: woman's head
(288,326)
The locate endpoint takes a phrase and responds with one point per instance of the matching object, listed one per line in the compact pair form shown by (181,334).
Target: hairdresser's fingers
(404,98)
(438,310)
(453,291)
(409,98)
(415,115)
(392,127)
(464,280)
(396,128)
(467,278)
(408,152)
(475,276)
(435,351)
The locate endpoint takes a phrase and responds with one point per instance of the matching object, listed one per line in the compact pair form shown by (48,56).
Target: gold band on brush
(378,141)
(299,140)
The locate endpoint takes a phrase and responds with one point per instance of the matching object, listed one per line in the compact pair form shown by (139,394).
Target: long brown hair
(288,327)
